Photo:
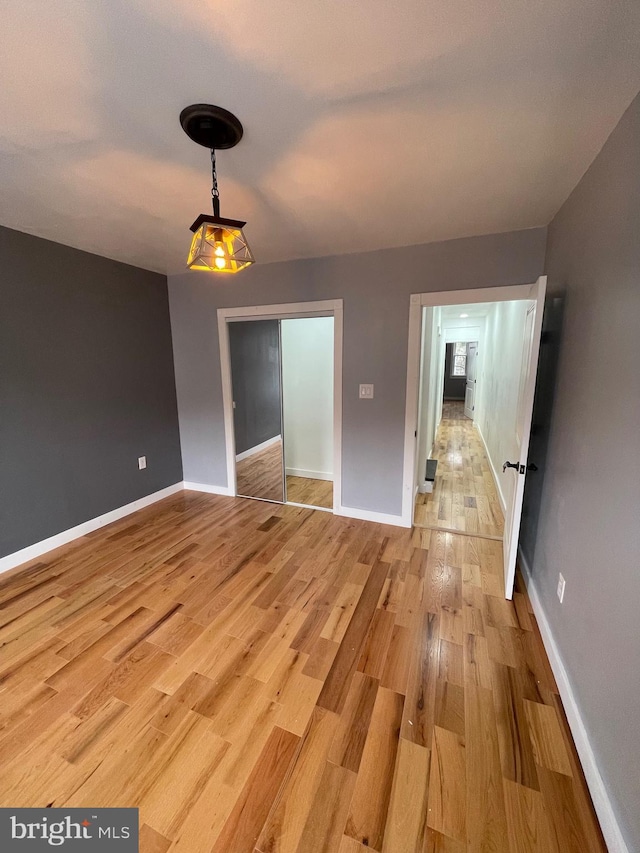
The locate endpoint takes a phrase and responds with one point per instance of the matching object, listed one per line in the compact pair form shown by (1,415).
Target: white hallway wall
(307,387)
(430,385)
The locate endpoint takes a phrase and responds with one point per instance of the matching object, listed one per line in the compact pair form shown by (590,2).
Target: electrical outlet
(142,462)
(366,392)
(561,586)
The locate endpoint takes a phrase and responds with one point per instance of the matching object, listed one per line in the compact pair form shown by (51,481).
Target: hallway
(464,498)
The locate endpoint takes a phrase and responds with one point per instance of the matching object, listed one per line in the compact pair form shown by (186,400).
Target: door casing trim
(283,311)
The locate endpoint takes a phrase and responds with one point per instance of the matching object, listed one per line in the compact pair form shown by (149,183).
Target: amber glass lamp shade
(219,245)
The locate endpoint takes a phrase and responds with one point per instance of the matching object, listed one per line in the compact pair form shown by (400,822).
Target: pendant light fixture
(218,244)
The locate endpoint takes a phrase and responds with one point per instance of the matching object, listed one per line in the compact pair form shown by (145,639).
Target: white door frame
(470,412)
(284,311)
(418,301)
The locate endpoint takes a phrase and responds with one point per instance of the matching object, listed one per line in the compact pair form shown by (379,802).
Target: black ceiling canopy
(213,127)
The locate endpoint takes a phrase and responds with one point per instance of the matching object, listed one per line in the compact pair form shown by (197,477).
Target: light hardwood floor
(464,498)
(267,678)
(260,476)
(303,490)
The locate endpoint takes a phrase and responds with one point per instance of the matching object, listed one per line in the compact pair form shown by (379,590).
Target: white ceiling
(368,123)
(475,310)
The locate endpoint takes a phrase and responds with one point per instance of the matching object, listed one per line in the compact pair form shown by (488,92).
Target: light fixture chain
(215,194)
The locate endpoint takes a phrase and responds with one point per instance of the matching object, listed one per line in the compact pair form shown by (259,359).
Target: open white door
(470,386)
(529,369)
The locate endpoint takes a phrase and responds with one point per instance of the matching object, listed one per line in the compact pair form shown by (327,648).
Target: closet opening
(282,372)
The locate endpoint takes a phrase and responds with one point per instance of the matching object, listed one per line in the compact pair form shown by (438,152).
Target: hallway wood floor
(464,498)
(266,678)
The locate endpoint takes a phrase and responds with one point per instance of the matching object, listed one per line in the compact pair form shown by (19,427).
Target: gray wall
(254,348)
(375,287)
(86,386)
(454,388)
(589,505)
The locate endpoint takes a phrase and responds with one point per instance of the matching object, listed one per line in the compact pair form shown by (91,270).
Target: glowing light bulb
(220,256)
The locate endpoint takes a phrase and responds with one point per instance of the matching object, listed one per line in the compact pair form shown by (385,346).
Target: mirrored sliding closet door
(256,377)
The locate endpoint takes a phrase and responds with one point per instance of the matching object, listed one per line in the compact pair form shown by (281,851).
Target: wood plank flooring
(304,490)
(464,498)
(268,679)
(261,475)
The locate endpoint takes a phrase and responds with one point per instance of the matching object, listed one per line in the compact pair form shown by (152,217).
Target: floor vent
(429,477)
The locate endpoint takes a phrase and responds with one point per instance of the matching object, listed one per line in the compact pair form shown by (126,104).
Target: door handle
(506,465)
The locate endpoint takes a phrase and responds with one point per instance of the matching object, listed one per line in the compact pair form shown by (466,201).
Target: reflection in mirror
(307,385)
(254,348)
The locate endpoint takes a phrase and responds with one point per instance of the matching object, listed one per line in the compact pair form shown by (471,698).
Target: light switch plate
(366,392)
(561,586)
(142,462)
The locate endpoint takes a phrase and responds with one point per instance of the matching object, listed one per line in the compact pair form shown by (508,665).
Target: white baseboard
(426,487)
(494,474)
(369,515)
(59,539)
(310,475)
(258,447)
(205,487)
(597,788)
(310,506)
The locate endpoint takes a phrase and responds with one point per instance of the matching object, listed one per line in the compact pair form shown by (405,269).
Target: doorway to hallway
(480,454)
